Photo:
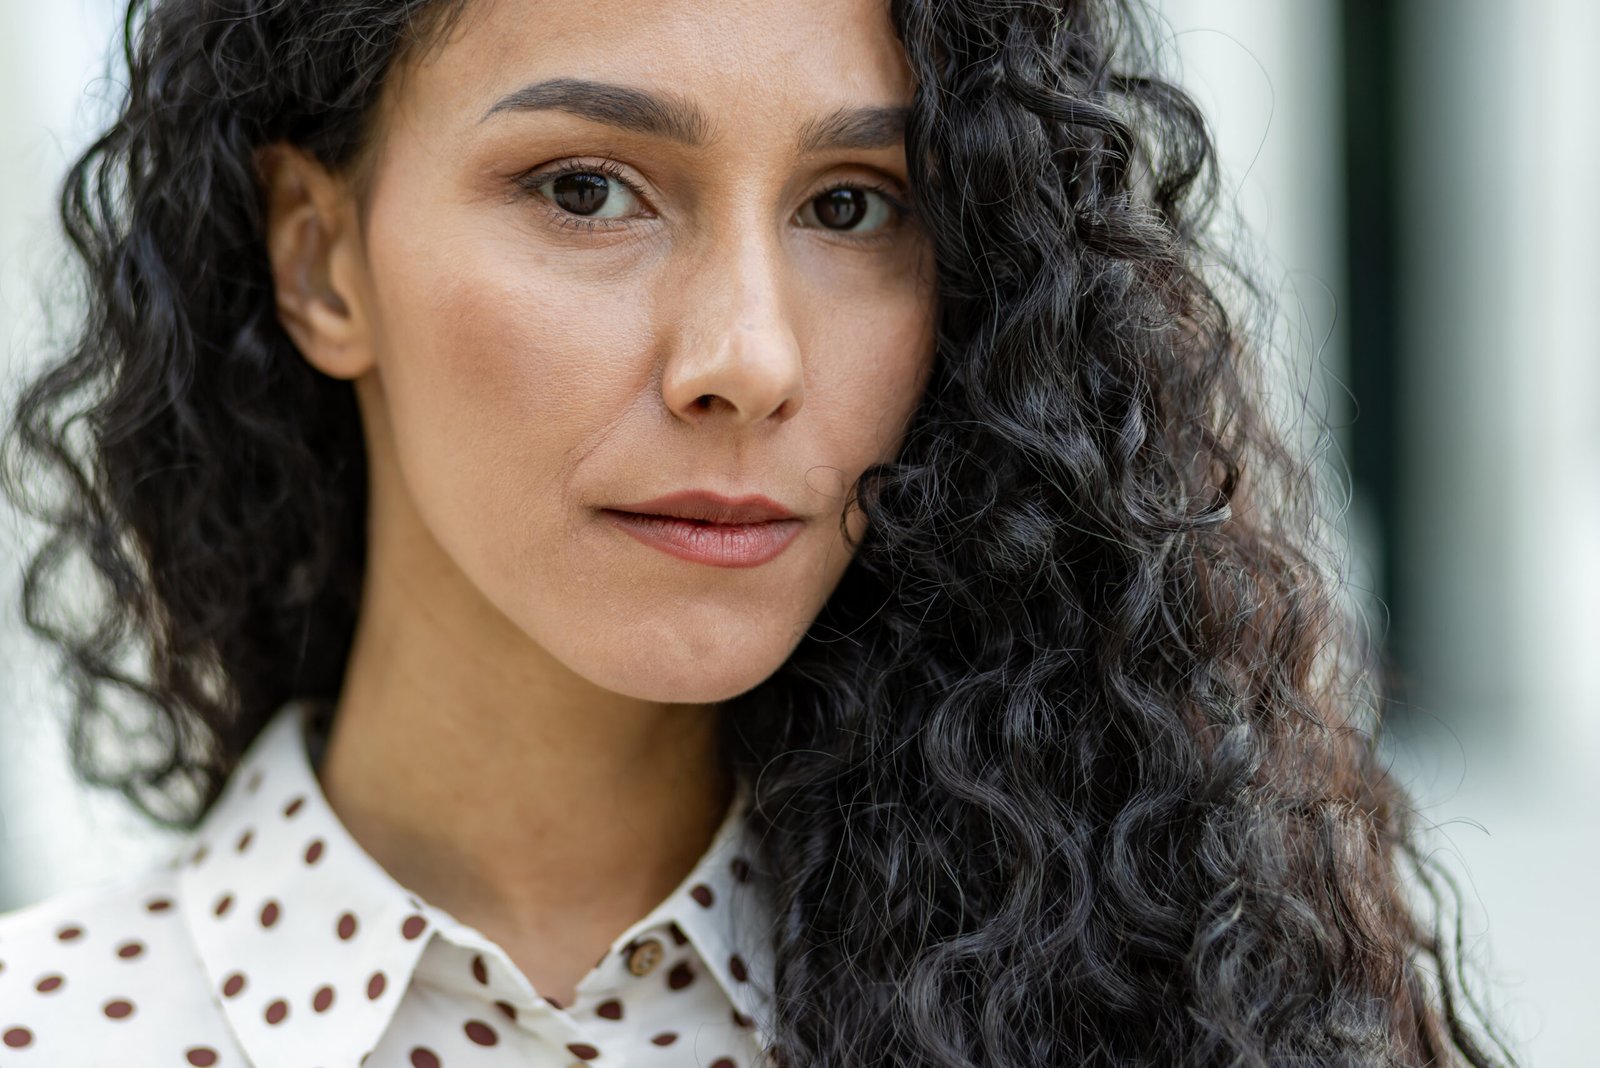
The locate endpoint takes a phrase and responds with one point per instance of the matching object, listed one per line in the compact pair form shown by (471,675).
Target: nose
(734,356)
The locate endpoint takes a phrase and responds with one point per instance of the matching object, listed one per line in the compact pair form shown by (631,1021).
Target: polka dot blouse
(274,940)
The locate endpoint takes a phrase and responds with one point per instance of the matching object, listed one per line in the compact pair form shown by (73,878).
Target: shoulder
(107,974)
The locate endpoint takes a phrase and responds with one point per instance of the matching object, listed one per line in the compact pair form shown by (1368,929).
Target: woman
(666,535)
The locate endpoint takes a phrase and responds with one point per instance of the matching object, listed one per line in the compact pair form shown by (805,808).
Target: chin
(676,673)
(675,686)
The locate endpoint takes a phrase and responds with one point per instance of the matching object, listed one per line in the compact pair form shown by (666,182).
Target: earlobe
(307,230)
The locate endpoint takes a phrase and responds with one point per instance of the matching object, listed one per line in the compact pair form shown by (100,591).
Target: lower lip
(717,544)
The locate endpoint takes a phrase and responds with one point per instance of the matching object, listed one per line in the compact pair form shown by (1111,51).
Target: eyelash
(531,181)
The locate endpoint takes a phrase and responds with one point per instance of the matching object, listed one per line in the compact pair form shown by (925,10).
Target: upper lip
(711,507)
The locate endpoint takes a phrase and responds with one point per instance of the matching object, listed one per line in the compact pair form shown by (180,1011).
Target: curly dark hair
(1078,765)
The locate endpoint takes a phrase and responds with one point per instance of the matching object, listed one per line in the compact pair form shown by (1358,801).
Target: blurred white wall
(1266,75)
(53,834)
(1502,474)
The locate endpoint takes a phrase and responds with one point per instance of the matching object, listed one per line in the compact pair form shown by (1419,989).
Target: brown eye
(582,193)
(589,191)
(841,209)
(853,209)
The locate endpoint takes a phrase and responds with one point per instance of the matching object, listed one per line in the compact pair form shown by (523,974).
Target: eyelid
(891,192)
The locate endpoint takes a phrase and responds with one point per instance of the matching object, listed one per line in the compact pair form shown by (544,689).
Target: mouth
(704,541)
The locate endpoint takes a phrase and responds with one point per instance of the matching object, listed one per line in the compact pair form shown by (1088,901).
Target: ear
(315,248)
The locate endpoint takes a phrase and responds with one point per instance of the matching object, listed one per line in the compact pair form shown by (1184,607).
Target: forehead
(740,61)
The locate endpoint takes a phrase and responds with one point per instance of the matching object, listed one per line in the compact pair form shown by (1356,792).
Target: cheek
(501,377)
(877,369)
(873,351)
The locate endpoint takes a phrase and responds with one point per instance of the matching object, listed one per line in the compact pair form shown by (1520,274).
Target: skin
(526,736)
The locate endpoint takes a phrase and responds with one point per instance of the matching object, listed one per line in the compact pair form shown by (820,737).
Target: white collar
(303,906)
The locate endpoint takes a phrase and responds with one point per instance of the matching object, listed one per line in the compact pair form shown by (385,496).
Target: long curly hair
(1077,766)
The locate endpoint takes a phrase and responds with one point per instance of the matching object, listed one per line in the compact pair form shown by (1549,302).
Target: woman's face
(574,297)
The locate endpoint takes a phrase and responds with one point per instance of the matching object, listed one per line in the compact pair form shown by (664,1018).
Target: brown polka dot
(68,934)
(680,976)
(17,1037)
(293,806)
(480,1033)
(232,985)
(201,1056)
(314,851)
(583,1051)
(423,1057)
(224,903)
(678,937)
(413,927)
(665,1038)
(479,971)
(322,999)
(49,984)
(375,986)
(742,1020)
(347,927)
(269,913)
(130,950)
(702,894)
(244,841)
(118,1008)
(276,1011)
(609,1009)
(160,904)
(736,966)
(508,1010)
(553,1002)
(741,869)
(724,1062)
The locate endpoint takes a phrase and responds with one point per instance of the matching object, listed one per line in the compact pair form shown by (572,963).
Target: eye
(583,194)
(852,208)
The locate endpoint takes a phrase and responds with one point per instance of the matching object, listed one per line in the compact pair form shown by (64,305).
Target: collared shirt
(274,940)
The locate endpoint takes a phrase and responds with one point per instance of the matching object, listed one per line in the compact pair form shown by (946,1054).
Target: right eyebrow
(657,114)
(666,114)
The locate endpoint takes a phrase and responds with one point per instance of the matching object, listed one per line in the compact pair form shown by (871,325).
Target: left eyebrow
(862,129)
(668,115)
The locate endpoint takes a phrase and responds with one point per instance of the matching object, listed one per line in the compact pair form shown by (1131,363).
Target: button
(645,955)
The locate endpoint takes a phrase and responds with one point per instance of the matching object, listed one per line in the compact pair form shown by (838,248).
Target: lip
(710,507)
(708,528)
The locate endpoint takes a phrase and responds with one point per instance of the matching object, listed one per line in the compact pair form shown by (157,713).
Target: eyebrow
(668,115)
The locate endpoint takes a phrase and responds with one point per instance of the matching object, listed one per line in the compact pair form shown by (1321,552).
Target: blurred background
(1414,175)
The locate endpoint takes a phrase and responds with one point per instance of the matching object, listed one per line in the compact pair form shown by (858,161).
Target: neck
(497,785)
